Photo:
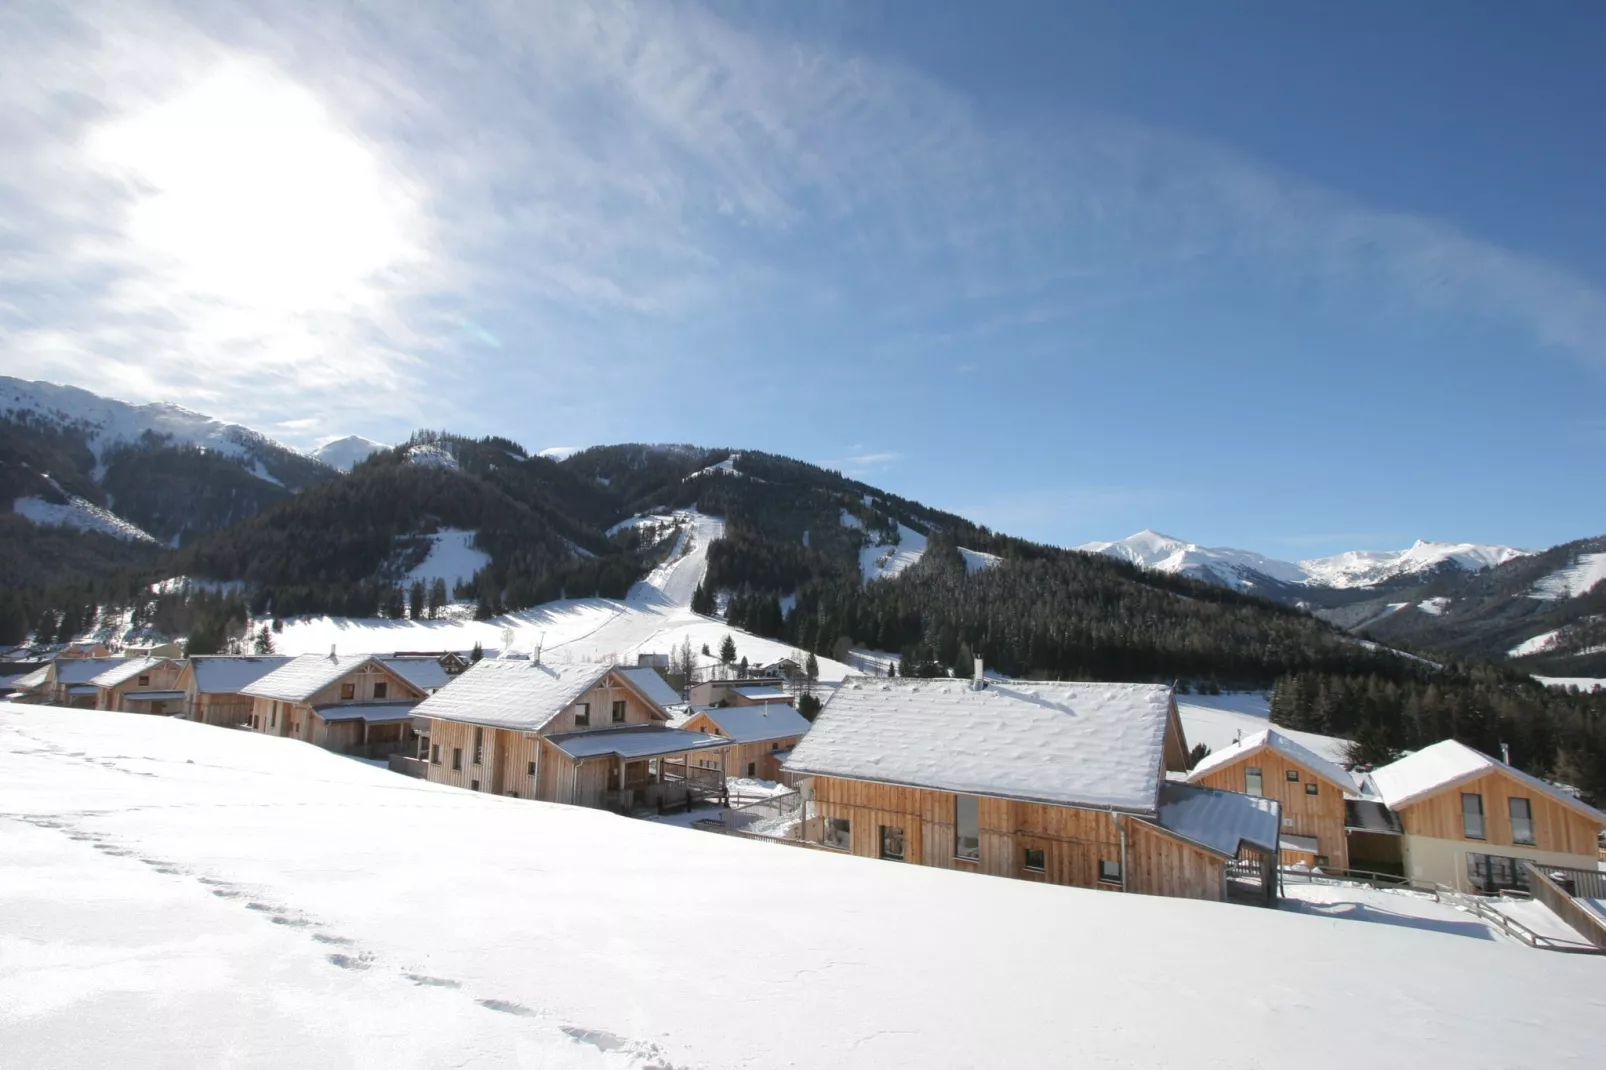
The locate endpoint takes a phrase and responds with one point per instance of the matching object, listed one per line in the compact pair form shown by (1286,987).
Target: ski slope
(1577,579)
(179,895)
(654,617)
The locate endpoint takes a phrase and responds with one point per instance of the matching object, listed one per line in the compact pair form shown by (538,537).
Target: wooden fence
(1550,885)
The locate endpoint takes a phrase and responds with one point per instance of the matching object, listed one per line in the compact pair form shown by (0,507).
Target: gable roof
(756,724)
(653,686)
(1219,820)
(425,673)
(1449,763)
(81,670)
(37,678)
(514,692)
(300,678)
(130,668)
(1070,744)
(226,674)
(1271,739)
(760,691)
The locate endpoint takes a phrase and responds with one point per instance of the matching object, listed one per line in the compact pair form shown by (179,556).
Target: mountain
(1323,581)
(344,453)
(70,456)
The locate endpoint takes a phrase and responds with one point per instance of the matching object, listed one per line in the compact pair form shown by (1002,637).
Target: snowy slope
(80,514)
(1219,721)
(163,908)
(878,560)
(1242,569)
(106,422)
(344,453)
(654,617)
(1578,578)
(452,557)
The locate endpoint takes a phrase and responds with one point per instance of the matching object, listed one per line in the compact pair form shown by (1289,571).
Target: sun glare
(249,195)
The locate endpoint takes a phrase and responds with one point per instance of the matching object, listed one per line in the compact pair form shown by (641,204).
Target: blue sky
(1292,277)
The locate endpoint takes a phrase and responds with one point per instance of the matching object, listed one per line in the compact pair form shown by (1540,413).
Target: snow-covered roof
(1369,815)
(300,678)
(1219,820)
(649,683)
(36,678)
(372,712)
(755,724)
(130,668)
(426,674)
(81,689)
(223,674)
(512,693)
(636,741)
(1303,844)
(1074,744)
(1271,739)
(82,670)
(760,691)
(1448,763)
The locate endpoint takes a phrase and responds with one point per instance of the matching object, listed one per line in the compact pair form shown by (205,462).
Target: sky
(1295,277)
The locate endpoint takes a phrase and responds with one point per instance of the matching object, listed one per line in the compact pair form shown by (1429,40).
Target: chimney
(978,681)
(332,652)
(1505,753)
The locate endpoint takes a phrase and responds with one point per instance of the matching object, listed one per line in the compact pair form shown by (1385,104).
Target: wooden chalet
(1468,821)
(579,733)
(1310,788)
(1062,783)
(750,691)
(66,681)
(141,685)
(762,736)
(358,704)
(214,685)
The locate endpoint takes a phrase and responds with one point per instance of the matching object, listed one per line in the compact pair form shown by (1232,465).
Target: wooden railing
(1544,887)
(1361,876)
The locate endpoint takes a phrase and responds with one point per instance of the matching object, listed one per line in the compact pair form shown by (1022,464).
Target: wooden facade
(162,676)
(371,682)
(1436,847)
(525,765)
(724,692)
(756,759)
(1319,816)
(1026,840)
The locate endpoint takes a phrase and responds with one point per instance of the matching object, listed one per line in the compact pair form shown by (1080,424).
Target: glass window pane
(1472,815)
(892,842)
(1522,824)
(1035,859)
(1252,785)
(967,827)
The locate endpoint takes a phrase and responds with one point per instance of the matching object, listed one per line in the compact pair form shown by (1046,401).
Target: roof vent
(979,680)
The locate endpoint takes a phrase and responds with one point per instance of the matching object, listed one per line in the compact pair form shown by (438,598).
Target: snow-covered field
(655,617)
(174,894)
(1218,721)
(452,557)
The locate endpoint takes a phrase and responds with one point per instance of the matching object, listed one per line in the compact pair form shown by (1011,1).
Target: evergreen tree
(13,618)
(809,706)
(263,642)
(1197,754)
(727,650)
(437,597)
(415,600)
(477,653)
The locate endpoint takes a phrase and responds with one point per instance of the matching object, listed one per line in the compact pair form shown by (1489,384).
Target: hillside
(161,911)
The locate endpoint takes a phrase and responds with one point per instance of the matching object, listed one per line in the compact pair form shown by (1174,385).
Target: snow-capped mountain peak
(1246,570)
(345,453)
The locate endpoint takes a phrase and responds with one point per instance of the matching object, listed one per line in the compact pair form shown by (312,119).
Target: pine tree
(415,600)
(437,597)
(477,653)
(727,650)
(263,643)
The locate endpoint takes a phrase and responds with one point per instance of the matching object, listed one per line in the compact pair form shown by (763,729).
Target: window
(1109,872)
(775,746)
(532,769)
(1035,860)
(1522,821)
(835,833)
(619,711)
(435,753)
(752,769)
(582,715)
(473,785)
(1492,874)
(479,745)
(381,689)
(1293,776)
(457,758)
(892,843)
(1311,788)
(1252,784)
(1472,815)
(144,679)
(348,692)
(967,828)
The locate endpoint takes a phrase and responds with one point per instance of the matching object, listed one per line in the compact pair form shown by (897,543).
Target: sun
(246,193)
